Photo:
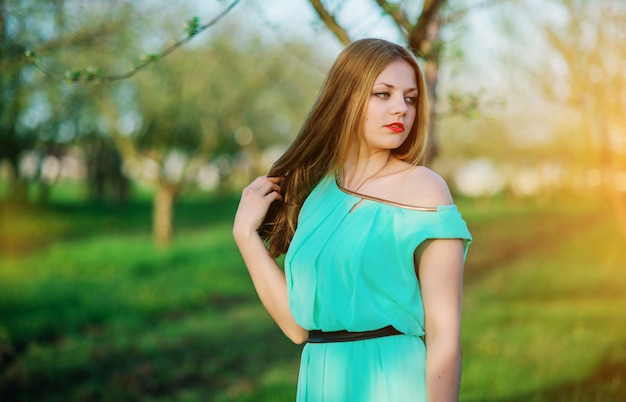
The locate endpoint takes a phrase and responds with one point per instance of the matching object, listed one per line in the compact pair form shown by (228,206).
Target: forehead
(398,73)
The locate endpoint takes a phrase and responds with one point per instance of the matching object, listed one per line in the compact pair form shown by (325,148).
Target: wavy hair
(332,128)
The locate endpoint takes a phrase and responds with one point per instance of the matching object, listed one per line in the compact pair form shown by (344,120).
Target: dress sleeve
(444,223)
(450,225)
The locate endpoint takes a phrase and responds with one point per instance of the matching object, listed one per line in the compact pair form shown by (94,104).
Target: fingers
(264,181)
(265,186)
(253,206)
(268,187)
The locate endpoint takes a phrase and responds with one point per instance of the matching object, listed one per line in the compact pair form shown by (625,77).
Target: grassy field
(91,310)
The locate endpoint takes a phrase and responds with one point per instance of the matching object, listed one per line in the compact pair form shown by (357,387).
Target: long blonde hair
(333,126)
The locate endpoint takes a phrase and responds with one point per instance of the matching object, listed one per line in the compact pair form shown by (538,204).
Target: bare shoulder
(420,186)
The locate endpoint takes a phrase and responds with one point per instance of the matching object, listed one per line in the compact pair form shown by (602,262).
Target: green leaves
(150,58)
(93,75)
(72,76)
(193,26)
(82,75)
(467,105)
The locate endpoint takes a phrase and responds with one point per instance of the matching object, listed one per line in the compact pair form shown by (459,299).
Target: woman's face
(391,108)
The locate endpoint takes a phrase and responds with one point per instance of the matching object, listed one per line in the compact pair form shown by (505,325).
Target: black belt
(317,336)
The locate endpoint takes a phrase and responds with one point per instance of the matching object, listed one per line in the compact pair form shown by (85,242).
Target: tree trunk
(17,186)
(429,47)
(618,202)
(610,169)
(432,78)
(162,219)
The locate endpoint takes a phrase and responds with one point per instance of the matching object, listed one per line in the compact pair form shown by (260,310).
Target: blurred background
(128,129)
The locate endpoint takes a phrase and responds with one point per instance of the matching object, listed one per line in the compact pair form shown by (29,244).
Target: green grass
(547,325)
(91,310)
(103,314)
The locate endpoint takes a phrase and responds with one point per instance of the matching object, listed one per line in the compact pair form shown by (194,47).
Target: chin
(394,145)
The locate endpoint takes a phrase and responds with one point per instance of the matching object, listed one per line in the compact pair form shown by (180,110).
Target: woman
(374,245)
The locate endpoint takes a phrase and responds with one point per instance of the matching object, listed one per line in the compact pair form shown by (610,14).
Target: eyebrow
(393,87)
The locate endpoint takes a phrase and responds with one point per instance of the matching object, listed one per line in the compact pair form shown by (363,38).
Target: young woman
(374,245)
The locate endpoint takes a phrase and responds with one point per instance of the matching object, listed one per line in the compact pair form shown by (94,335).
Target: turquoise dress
(350,267)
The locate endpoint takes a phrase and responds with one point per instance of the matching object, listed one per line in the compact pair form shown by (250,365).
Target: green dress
(350,267)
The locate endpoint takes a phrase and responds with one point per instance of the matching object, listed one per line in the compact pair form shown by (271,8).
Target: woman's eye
(410,100)
(383,95)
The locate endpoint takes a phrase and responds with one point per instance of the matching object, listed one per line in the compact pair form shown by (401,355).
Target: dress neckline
(343,189)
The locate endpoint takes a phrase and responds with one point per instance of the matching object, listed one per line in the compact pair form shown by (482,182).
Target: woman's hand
(268,278)
(255,201)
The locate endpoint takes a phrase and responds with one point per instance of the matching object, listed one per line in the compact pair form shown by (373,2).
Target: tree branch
(330,22)
(398,15)
(77,38)
(93,76)
(456,15)
(418,35)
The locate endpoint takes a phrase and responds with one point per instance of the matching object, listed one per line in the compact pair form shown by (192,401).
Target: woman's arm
(440,273)
(268,278)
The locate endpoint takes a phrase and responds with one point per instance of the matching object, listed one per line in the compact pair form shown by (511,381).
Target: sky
(297,18)
(279,20)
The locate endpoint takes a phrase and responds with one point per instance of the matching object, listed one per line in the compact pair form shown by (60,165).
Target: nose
(399,106)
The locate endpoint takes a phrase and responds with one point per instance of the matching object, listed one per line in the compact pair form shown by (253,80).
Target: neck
(359,168)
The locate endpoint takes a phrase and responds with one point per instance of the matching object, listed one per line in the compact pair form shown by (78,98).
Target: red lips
(396,127)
